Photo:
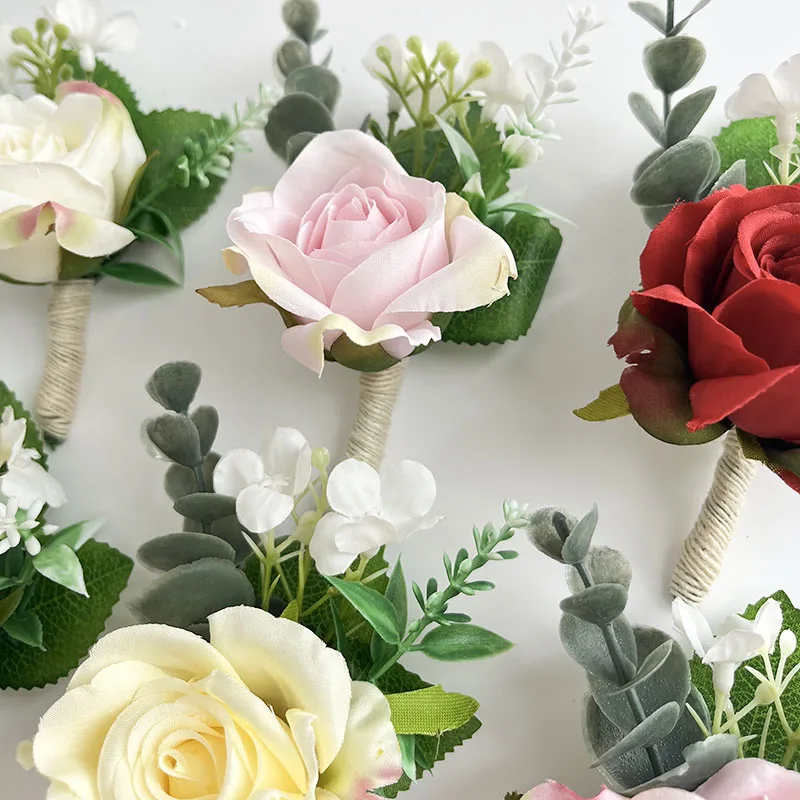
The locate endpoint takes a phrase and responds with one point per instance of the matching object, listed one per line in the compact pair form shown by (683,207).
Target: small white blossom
(17,525)
(371,510)
(92,32)
(265,487)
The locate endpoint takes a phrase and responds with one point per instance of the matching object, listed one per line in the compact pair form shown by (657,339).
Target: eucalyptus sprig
(43,57)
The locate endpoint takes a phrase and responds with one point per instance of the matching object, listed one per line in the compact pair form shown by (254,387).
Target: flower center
(194,767)
(276,482)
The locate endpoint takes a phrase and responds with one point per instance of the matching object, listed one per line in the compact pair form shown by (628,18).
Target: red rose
(713,338)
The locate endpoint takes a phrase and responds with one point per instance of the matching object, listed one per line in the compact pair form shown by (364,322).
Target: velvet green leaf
(205,507)
(604,565)
(316,81)
(167,552)
(535,243)
(650,13)
(293,54)
(643,110)
(33,438)
(751,140)
(176,436)
(164,134)
(672,63)
(175,384)
(70,623)
(301,18)
(206,420)
(293,114)
(585,644)
(686,115)
(577,544)
(600,604)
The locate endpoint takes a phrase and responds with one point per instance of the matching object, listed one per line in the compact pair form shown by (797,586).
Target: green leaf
(176,436)
(291,55)
(141,274)
(33,437)
(109,79)
(373,607)
(745,685)
(462,643)
(292,611)
(600,604)
(70,623)
(10,603)
(25,627)
(535,243)
(397,595)
(293,114)
(408,748)
(167,552)
(643,110)
(685,21)
(611,404)
(672,63)
(751,140)
(75,536)
(430,711)
(205,507)
(164,133)
(468,162)
(686,115)
(316,81)
(576,545)
(60,564)
(650,13)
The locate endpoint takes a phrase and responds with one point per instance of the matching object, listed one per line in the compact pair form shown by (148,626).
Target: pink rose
(746,779)
(349,245)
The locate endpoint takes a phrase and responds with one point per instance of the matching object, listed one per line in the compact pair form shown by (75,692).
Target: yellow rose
(265,712)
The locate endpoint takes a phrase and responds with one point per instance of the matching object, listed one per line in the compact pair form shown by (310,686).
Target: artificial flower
(387,60)
(371,509)
(12,441)
(720,284)
(776,96)
(745,779)
(265,487)
(521,150)
(348,245)
(65,169)
(17,525)
(739,642)
(91,32)
(265,711)
(8,71)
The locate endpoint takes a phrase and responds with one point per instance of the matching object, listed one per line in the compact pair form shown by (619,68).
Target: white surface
(491,422)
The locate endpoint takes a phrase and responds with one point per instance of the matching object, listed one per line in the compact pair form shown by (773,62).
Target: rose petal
(237,470)
(261,509)
(288,666)
(408,490)
(354,489)
(751,778)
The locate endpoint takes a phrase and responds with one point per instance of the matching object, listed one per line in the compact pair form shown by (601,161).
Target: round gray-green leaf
(206,507)
(167,552)
(293,114)
(604,565)
(600,604)
(317,81)
(230,530)
(577,544)
(673,62)
(585,644)
(179,481)
(174,385)
(302,18)
(297,144)
(206,420)
(643,110)
(686,115)
(542,532)
(176,436)
(187,594)
(679,173)
(293,54)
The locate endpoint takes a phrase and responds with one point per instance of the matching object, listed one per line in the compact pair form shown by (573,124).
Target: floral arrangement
(423,198)
(57,586)
(704,339)
(661,724)
(94,186)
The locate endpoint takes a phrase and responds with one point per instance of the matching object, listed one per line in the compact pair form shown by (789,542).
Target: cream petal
(237,470)
(287,666)
(755,97)
(176,652)
(301,724)
(261,509)
(324,548)
(354,489)
(408,490)
(370,754)
(90,237)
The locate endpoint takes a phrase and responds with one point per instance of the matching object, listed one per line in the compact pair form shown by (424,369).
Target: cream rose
(265,712)
(65,170)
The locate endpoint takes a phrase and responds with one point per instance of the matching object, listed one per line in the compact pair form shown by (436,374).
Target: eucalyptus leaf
(205,507)
(576,547)
(604,565)
(650,13)
(687,19)
(206,420)
(297,144)
(600,604)
(673,62)
(176,436)
(643,110)
(585,644)
(59,564)
(316,81)
(302,18)
(643,165)
(372,606)
(686,115)
(656,727)
(25,627)
(293,114)
(655,215)
(179,481)
(542,532)
(292,54)
(188,594)
(736,174)
(174,385)
(230,530)
(167,552)
(462,643)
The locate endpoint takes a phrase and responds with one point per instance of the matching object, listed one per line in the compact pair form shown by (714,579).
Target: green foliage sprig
(640,717)
(43,59)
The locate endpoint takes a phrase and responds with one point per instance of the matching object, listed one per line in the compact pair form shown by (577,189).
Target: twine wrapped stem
(67,318)
(379,391)
(704,550)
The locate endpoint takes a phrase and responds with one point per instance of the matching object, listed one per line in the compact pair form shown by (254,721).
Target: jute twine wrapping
(376,403)
(67,317)
(704,550)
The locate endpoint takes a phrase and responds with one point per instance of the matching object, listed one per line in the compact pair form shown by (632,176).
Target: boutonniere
(707,337)
(94,186)
(377,244)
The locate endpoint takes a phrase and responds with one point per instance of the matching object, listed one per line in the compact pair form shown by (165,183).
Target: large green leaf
(164,134)
(535,243)
(745,686)
(33,438)
(373,606)
(751,140)
(71,624)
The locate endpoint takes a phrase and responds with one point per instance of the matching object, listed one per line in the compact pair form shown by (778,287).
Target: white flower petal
(236,471)
(408,490)
(370,754)
(689,621)
(30,484)
(365,535)
(354,489)
(768,622)
(786,84)
(324,549)
(261,509)
(735,647)
(755,97)
(118,34)
(290,667)
(288,454)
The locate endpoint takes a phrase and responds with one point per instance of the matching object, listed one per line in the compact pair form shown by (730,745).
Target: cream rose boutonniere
(266,711)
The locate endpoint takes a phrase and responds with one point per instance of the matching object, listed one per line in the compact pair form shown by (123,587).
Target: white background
(492,423)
